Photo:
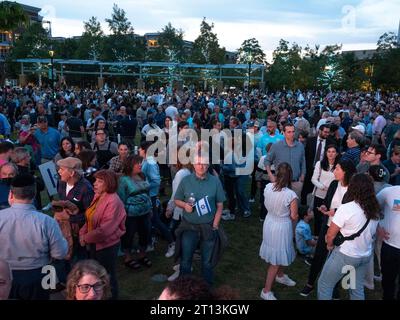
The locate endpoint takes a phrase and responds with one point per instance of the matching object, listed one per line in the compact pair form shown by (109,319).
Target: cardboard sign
(50,176)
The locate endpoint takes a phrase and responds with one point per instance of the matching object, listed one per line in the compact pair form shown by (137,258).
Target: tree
(251,46)
(33,43)
(169,46)
(385,67)
(91,42)
(206,48)
(285,69)
(12,15)
(353,71)
(119,23)
(121,45)
(387,41)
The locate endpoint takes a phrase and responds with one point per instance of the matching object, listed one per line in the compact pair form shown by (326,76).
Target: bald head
(5,279)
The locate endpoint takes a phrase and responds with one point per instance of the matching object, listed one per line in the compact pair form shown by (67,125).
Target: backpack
(138,203)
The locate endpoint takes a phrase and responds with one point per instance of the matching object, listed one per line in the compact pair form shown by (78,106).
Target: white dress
(277,247)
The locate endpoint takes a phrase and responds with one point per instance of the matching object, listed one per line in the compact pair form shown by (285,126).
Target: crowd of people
(326,172)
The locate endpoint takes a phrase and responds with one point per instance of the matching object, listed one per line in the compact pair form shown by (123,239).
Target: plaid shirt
(116,164)
(81,194)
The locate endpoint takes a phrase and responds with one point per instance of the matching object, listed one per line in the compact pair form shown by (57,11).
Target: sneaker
(267,296)
(225,212)
(175,275)
(252,200)
(228,217)
(378,278)
(246,214)
(285,280)
(171,250)
(308,261)
(369,286)
(306,291)
(150,248)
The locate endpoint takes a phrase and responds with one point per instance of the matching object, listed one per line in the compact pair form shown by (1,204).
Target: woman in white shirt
(322,177)
(335,196)
(350,219)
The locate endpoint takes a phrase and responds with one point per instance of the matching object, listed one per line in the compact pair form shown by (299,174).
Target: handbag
(339,239)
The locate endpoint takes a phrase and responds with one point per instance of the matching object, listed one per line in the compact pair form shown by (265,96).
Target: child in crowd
(305,243)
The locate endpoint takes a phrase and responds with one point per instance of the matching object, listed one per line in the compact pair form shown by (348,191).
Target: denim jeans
(156,223)
(242,198)
(190,240)
(235,191)
(332,273)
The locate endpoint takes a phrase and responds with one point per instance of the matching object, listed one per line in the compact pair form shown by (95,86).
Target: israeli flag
(203,206)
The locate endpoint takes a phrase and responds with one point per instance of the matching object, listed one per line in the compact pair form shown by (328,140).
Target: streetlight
(51,54)
(250,60)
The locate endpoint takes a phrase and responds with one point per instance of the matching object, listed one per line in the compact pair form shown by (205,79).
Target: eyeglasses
(85,288)
(370,152)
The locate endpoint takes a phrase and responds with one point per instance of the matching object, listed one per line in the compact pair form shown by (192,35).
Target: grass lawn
(241,267)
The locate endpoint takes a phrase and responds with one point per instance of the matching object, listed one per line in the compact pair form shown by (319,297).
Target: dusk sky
(357,24)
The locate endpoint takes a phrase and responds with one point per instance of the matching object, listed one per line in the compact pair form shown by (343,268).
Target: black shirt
(74,124)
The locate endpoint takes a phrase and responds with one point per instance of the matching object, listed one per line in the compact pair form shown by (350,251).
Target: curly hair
(83,268)
(349,169)
(361,190)
(190,288)
(284,176)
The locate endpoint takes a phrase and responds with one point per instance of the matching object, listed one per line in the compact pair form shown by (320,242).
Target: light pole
(51,54)
(250,60)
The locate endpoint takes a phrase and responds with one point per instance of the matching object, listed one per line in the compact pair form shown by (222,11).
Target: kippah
(23,180)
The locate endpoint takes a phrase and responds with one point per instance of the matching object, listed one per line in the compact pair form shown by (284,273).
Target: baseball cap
(360,128)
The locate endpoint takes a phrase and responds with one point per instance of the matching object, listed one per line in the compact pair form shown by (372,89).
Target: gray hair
(10,164)
(19,154)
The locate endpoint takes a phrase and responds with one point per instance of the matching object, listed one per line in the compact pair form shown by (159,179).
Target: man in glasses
(374,156)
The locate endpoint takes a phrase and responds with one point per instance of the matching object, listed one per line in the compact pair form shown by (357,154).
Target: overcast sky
(357,24)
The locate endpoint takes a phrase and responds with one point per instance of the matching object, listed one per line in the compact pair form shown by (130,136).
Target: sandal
(133,264)
(145,261)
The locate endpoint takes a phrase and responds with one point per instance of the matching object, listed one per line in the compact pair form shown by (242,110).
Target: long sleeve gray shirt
(295,156)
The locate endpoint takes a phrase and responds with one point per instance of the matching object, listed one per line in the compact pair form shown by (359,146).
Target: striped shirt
(352,154)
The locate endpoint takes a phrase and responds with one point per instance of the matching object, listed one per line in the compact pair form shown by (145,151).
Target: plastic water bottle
(136,151)
(192,199)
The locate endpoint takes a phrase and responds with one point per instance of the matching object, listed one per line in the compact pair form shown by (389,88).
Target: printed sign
(50,176)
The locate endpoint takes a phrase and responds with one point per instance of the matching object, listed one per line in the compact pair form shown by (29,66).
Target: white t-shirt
(350,218)
(389,200)
(68,189)
(337,199)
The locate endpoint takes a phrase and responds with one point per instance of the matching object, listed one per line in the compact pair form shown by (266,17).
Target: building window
(3,37)
(152,43)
